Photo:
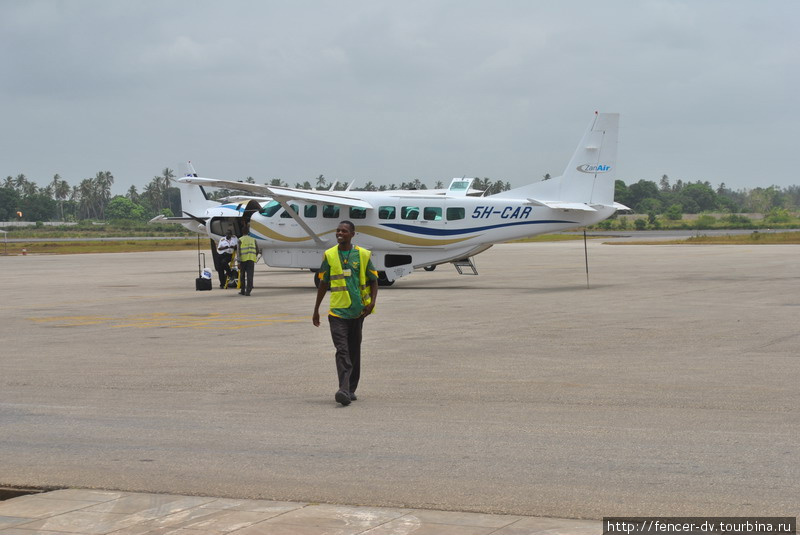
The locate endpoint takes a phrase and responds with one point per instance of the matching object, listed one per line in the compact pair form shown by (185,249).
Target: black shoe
(247,293)
(242,293)
(342,397)
(353,396)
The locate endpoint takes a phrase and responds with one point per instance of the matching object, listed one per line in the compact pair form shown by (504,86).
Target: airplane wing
(256,189)
(341,198)
(245,198)
(560,205)
(279,193)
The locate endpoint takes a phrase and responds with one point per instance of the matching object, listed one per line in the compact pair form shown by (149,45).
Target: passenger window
(271,208)
(310,210)
(358,213)
(330,211)
(286,214)
(432,214)
(455,213)
(387,212)
(409,212)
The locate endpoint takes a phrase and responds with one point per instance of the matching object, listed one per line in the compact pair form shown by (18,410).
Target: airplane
(407,230)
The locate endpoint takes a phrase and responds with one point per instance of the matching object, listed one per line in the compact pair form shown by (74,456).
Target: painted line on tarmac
(217,321)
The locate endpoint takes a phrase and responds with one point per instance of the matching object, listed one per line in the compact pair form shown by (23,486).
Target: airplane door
(286,221)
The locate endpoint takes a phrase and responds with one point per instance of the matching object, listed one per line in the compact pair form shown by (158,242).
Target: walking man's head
(345,232)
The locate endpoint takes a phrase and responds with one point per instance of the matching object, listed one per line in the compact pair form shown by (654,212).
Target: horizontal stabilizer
(622,208)
(561,205)
(161,218)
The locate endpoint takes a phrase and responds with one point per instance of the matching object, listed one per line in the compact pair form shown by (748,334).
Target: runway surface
(667,387)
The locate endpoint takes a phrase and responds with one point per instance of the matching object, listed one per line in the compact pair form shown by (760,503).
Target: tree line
(91,199)
(672,199)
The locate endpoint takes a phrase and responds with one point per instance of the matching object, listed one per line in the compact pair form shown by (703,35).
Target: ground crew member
(248,254)
(226,247)
(348,271)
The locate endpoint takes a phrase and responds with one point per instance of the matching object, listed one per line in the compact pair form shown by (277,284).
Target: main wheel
(429,268)
(382,280)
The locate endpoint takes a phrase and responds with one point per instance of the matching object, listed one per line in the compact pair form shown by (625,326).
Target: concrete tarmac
(669,387)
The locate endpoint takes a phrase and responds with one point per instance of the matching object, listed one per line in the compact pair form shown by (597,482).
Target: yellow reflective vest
(340,297)
(247,249)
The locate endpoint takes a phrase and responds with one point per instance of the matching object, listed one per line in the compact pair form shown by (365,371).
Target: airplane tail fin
(194,199)
(591,172)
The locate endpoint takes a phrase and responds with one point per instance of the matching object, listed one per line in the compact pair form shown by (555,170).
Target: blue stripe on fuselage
(454,232)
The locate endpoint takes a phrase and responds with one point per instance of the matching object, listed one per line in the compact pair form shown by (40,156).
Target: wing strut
(296,217)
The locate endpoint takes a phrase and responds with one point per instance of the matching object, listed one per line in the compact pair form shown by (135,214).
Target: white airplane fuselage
(411,229)
(403,231)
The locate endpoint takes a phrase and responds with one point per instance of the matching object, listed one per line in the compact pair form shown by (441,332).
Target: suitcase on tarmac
(203,282)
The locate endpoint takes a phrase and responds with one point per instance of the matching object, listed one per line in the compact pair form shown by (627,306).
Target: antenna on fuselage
(586,257)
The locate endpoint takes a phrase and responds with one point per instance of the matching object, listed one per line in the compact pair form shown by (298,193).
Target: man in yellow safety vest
(248,254)
(348,271)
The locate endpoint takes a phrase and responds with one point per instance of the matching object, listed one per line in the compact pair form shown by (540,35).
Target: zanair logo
(593,168)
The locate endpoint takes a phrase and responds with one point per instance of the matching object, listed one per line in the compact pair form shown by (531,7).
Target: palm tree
(55,182)
(29,189)
(152,194)
(132,194)
(102,191)
(166,175)
(86,196)
(61,191)
(320,181)
(20,181)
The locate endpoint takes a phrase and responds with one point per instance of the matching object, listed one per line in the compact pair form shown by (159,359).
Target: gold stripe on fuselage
(403,239)
(377,232)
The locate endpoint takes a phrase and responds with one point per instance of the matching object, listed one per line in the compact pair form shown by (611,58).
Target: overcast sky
(394,91)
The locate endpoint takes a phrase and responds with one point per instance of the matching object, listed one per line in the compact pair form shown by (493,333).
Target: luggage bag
(203,282)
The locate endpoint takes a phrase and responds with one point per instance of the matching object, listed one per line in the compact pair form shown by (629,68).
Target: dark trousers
(225,265)
(346,336)
(248,268)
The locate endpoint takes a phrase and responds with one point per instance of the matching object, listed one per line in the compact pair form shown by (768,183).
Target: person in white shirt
(226,247)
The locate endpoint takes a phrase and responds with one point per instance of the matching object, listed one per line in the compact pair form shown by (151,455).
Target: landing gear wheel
(382,280)
(429,268)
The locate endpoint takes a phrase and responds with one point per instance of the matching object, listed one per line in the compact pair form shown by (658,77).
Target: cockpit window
(271,208)
(286,214)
